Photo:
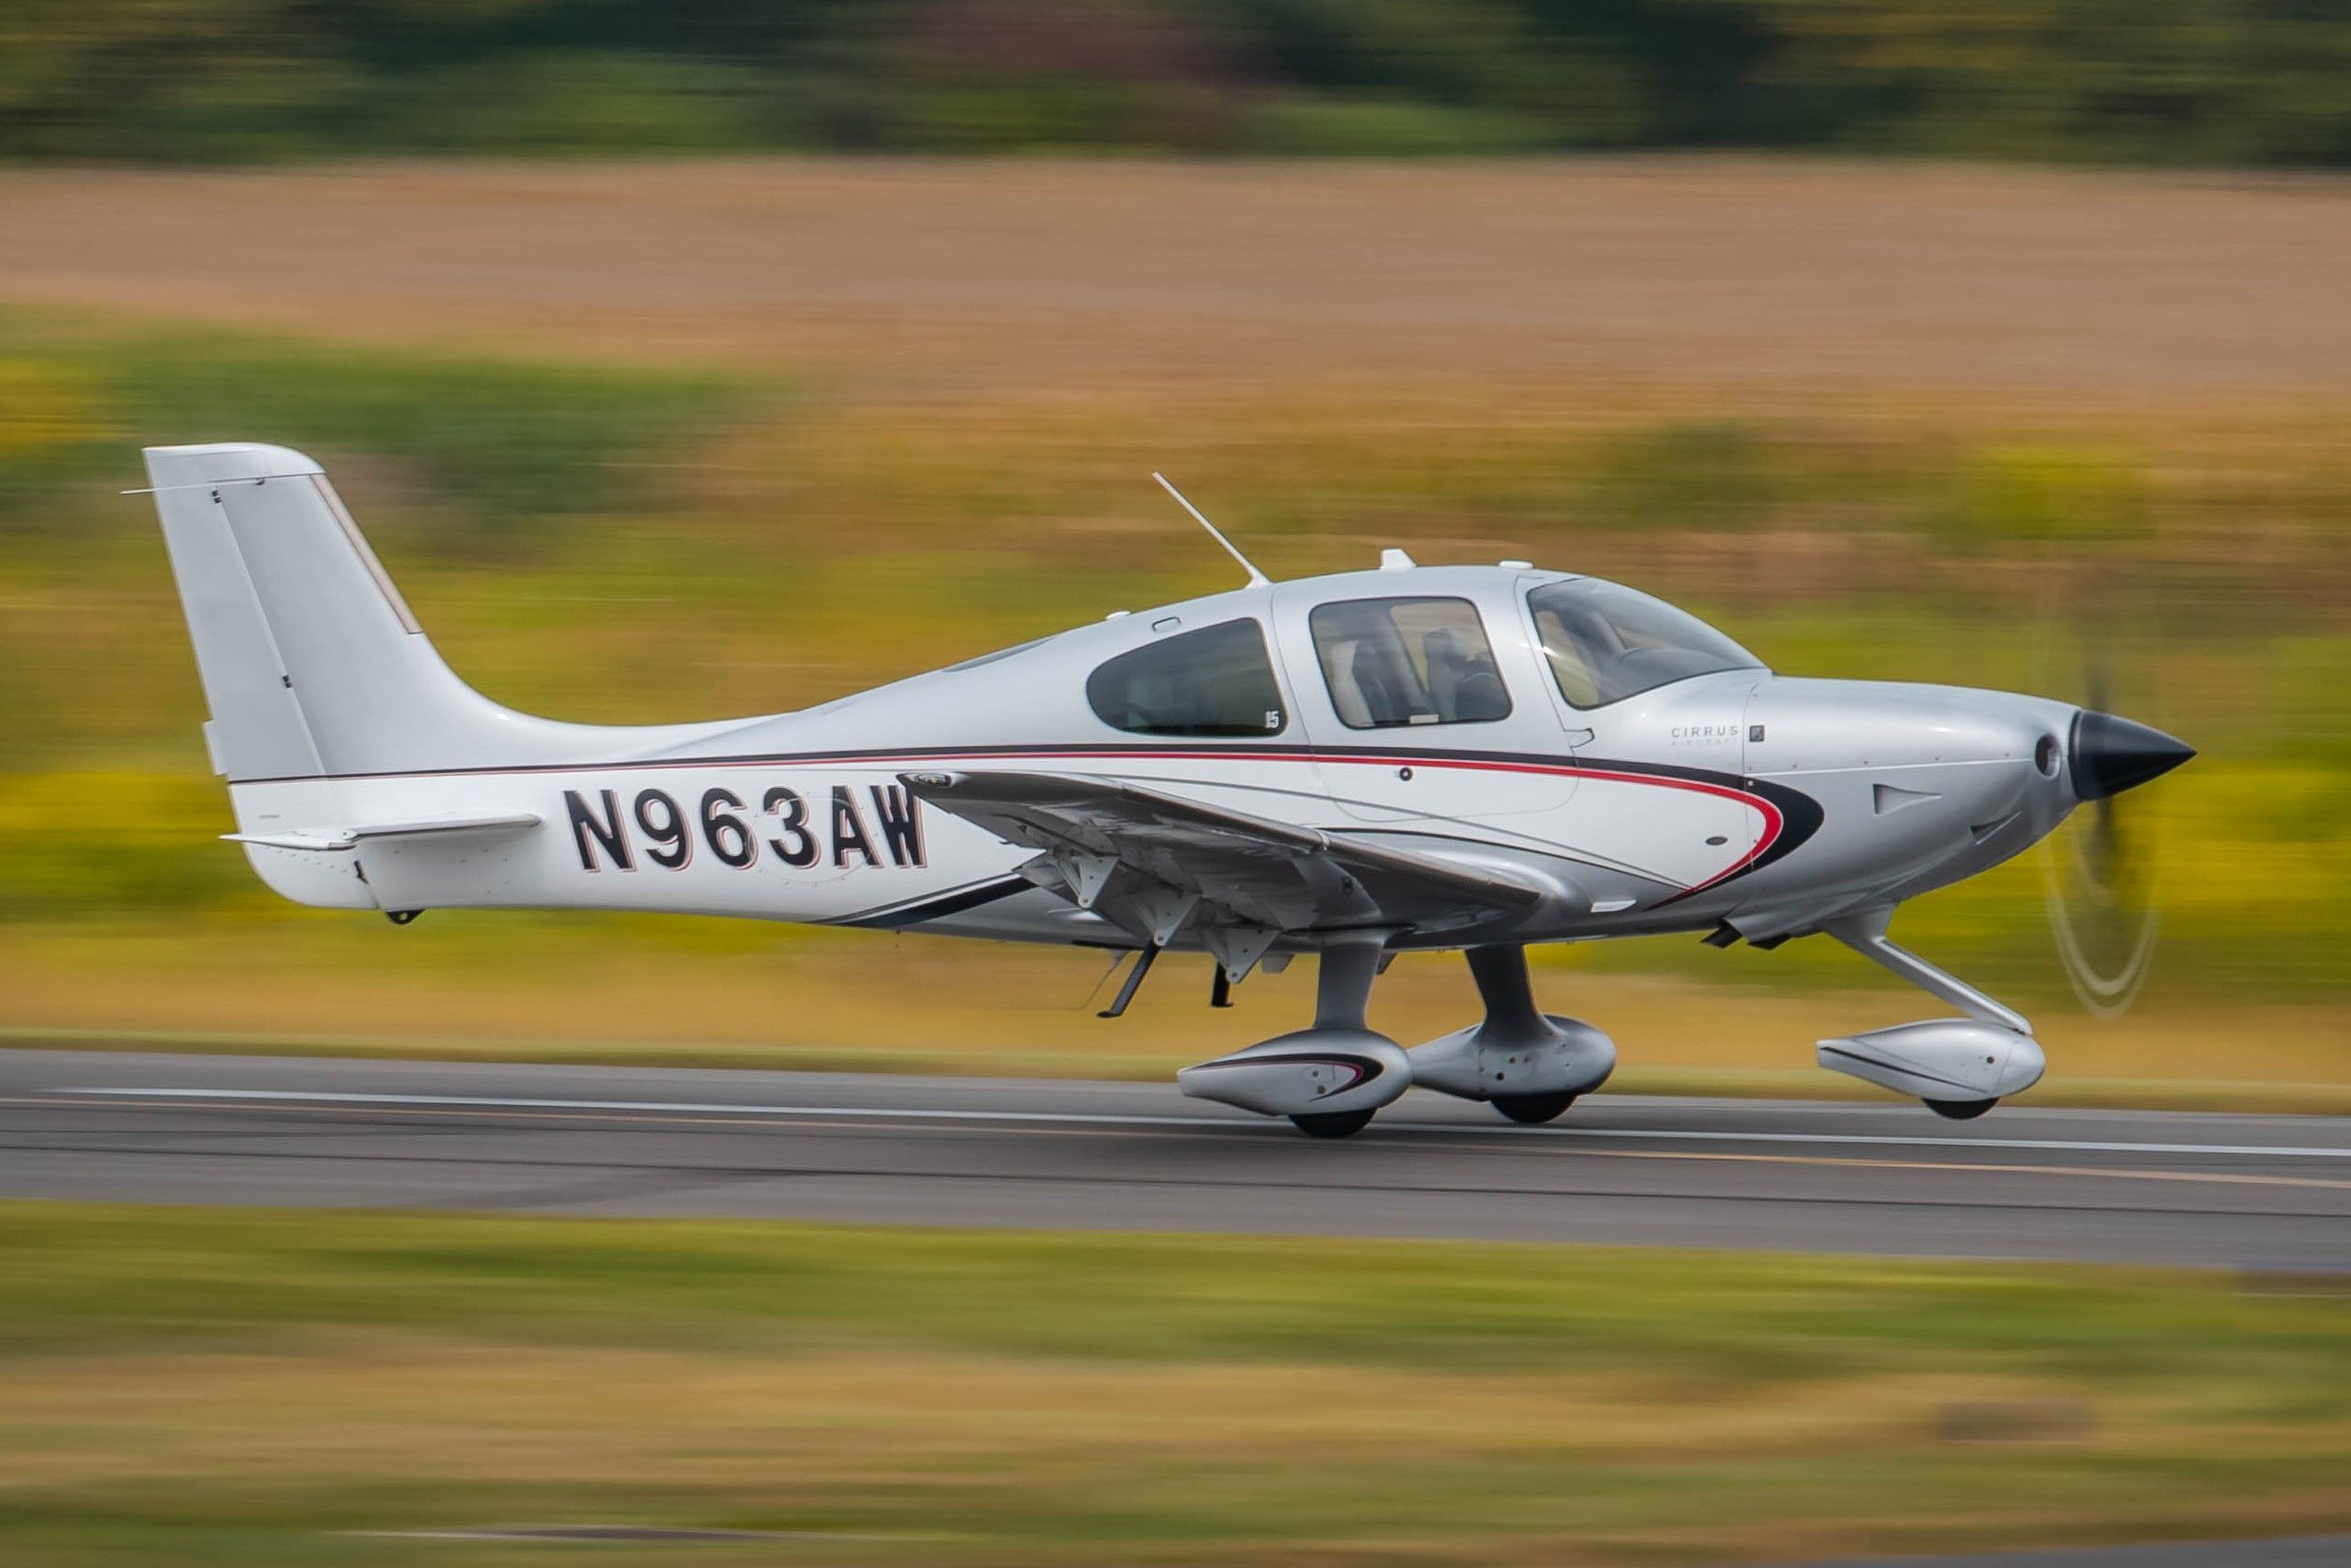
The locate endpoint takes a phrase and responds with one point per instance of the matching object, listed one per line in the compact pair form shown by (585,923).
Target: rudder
(258,728)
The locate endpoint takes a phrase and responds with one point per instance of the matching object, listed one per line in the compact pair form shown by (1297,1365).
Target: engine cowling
(1313,1072)
(1940,1059)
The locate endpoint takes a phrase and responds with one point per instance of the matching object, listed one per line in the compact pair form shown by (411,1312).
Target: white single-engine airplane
(1405,759)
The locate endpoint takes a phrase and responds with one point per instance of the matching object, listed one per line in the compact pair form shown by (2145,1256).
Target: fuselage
(1647,770)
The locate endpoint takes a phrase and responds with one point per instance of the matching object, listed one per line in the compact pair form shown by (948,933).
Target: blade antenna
(1256,577)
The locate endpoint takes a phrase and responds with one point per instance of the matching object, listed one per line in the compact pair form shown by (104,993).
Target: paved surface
(2259,1192)
(2293,1551)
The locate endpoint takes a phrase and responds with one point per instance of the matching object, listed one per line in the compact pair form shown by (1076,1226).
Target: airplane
(1472,758)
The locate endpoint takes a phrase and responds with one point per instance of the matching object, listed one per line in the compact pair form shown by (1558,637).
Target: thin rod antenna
(1256,577)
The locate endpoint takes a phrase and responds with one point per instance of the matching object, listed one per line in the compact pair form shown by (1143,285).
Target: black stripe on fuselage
(939,907)
(1800,815)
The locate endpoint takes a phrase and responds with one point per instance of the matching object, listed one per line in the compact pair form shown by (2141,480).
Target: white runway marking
(697,1106)
(2228,1150)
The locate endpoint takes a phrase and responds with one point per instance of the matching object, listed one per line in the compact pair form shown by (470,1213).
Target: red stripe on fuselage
(1774,821)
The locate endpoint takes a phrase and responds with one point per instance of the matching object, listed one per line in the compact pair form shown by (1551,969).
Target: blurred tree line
(2160,81)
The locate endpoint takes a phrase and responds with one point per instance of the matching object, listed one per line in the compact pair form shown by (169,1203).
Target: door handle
(1577,737)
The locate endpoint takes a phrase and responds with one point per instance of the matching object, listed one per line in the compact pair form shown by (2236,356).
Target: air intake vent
(1891,798)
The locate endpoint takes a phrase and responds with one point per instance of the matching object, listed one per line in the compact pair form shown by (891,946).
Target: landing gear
(1333,1124)
(1958,1067)
(1530,1065)
(1532,1109)
(1331,1078)
(1328,1079)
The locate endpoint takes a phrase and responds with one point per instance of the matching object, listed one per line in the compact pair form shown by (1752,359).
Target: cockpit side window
(1606,643)
(1218,680)
(1392,661)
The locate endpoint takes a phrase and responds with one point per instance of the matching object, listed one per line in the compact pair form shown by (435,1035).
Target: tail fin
(311,661)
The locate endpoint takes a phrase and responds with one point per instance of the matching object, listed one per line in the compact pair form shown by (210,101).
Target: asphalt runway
(2292,1552)
(2256,1192)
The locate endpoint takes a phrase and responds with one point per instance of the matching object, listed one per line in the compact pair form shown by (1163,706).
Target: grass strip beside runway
(190,1386)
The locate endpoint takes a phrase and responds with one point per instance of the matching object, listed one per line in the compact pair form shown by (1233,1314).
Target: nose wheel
(1960,1110)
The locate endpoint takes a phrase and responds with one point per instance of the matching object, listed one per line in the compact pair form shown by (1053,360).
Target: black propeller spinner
(2112,754)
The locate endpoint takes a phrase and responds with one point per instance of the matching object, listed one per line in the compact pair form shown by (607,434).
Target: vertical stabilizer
(258,729)
(311,662)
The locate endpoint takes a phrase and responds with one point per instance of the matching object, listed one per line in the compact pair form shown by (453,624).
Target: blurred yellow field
(688,363)
(191,1387)
(646,443)
(587,991)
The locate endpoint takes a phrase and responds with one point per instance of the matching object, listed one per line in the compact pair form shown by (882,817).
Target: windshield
(1605,643)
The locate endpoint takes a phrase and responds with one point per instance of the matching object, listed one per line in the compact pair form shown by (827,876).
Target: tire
(1333,1124)
(1531,1109)
(1960,1110)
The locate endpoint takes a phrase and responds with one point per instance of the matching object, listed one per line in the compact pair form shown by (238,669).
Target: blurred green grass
(611,542)
(493,442)
(2238,83)
(200,1386)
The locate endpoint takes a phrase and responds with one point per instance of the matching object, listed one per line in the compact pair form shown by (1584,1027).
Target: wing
(1155,863)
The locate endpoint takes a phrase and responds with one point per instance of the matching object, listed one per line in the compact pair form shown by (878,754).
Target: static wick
(1256,577)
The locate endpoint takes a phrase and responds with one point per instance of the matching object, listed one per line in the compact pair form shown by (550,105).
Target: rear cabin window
(1394,661)
(1217,680)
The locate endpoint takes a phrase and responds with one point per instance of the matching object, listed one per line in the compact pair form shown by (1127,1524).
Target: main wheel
(1333,1124)
(1533,1108)
(1960,1110)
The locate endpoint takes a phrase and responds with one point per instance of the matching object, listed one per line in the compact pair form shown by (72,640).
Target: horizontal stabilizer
(349,838)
